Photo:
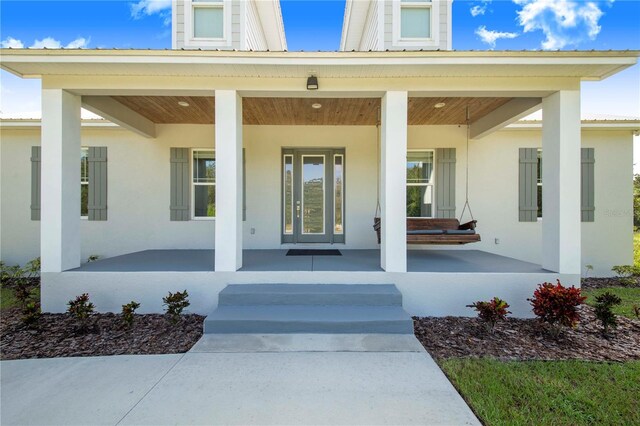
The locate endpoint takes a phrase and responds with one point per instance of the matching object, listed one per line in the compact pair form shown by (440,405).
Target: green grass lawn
(548,392)
(8,299)
(630,296)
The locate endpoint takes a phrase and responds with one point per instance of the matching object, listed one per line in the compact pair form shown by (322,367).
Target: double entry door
(313,195)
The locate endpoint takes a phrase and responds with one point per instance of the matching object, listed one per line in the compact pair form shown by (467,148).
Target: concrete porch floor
(446,261)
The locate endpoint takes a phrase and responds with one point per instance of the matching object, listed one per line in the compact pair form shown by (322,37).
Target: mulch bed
(588,283)
(528,339)
(58,336)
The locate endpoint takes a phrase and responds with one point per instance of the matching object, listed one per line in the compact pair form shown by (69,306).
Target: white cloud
(490,37)
(479,9)
(47,42)
(12,43)
(563,22)
(79,43)
(152,7)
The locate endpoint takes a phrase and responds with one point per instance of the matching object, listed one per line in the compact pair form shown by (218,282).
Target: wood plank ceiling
(299,111)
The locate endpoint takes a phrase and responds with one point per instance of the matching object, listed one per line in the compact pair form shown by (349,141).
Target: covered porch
(438,283)
(409,100)
(440,261)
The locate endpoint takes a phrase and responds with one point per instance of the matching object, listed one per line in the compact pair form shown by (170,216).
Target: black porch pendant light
(312,83)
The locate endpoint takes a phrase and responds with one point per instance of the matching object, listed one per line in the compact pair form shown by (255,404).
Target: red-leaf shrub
(556,304)
(492,311)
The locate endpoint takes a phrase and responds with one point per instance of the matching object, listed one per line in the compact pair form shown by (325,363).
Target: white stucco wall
(138,182)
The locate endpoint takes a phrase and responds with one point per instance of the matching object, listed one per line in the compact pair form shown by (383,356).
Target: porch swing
(441,231)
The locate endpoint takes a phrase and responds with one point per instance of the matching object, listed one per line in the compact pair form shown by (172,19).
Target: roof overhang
(585,66)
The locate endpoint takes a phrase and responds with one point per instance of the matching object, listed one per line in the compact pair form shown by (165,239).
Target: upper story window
(416,23)
(208,19)
(207,23)
(415,19)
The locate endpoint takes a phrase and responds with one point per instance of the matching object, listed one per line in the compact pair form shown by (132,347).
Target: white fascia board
(355,20)
(36,123)
(586,125)
(345,24)
(272,24)
(12,58)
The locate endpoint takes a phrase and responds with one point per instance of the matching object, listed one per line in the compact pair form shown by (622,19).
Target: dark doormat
(313,252)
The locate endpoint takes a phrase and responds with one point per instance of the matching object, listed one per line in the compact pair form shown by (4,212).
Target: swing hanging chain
(467,206)
(378,207)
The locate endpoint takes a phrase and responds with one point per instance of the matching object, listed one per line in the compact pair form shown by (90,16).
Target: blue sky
(316,25)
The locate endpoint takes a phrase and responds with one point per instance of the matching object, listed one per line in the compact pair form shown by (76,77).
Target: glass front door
(312,195)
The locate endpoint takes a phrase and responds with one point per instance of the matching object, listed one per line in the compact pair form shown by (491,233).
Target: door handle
(298,209)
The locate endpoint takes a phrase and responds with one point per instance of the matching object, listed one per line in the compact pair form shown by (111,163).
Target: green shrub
(604,303)
(587,269)
(128,313)
(31,314)
(93,258)
(175,303)
(491,312)
(627,274)
(21,279)
(557,305)
(81,308)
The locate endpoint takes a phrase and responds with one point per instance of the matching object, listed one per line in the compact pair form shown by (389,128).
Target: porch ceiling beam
(504,115)
(114,111)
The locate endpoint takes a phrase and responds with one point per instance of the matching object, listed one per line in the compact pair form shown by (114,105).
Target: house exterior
(218,156)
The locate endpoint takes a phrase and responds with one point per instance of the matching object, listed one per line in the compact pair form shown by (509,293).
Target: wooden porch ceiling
(299,111)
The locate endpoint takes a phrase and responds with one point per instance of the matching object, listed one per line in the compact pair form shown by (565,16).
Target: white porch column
(60,174)
(393,248)
(228,181)
(561,182)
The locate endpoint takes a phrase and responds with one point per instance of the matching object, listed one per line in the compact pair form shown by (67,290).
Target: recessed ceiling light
(439,105)
(316,106)
(183,103)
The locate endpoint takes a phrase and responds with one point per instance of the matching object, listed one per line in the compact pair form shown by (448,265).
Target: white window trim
(84,148)
(432,41)
(191,41)
(194,184)
(432,184)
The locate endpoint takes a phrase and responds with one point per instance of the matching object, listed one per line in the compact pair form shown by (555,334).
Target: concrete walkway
(266,379)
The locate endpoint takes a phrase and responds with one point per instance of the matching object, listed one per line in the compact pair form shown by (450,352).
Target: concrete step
(310,294)
(270,319)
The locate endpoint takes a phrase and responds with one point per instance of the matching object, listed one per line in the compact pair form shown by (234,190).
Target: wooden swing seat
(436,231)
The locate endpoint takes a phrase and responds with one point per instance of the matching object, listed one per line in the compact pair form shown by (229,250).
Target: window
(338,199)
(204,184)
(84,182)
(539,183)
(420,181)
(287,181)
(208,19)
(415,19)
